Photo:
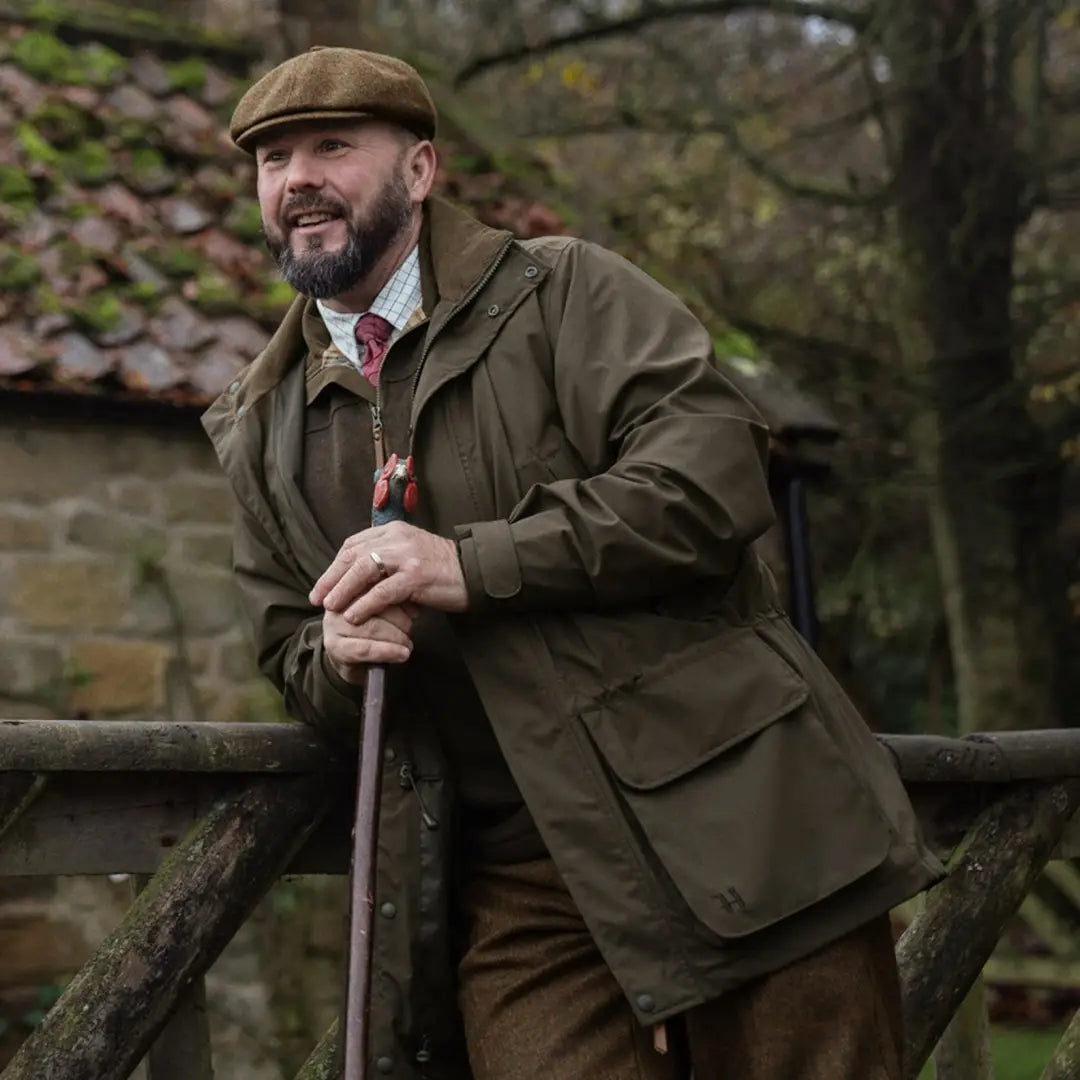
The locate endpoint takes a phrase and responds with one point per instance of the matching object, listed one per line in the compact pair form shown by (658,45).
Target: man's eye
(272,156)
(331,144)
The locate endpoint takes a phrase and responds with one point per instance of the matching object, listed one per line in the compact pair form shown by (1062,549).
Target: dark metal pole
(800,565)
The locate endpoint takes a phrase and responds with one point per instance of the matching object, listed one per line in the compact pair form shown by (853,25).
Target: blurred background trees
(880,196)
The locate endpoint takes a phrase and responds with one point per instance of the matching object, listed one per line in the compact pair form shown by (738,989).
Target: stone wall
(116,596)
(117,601)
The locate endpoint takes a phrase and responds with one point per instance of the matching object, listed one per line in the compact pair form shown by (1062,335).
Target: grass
(1019,1053)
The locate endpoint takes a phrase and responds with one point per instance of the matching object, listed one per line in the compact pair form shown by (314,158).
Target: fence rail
(215,813)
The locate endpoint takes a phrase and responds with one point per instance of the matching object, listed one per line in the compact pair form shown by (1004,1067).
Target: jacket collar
(456,252)
(461,250)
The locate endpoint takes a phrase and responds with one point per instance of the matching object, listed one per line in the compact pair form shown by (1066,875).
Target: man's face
(334,198)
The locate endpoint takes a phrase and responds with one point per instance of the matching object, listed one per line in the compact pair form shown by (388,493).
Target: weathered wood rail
(213,814)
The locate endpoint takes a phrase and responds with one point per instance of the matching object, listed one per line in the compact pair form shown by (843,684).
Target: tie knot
(372,329)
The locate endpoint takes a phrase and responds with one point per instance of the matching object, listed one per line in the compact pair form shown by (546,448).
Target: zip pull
(408,780)
(377,435)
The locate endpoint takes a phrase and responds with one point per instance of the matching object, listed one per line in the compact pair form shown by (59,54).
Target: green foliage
(187,76)
(57,693)
(1018,1053)
(732,342)
(18,271)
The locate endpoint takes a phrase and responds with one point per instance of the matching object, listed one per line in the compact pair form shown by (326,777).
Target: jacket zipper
(462,303)
(408,780)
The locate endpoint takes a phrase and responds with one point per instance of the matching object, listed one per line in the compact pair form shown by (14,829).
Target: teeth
(312,219)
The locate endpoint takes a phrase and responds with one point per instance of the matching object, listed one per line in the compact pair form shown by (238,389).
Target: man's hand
(384,639)
(420,568)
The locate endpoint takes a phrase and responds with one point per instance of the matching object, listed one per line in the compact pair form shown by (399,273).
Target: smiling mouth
(313,220)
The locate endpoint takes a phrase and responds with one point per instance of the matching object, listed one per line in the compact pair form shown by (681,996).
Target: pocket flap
(681,713)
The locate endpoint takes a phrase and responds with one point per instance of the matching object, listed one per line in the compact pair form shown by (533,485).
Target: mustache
(311,204)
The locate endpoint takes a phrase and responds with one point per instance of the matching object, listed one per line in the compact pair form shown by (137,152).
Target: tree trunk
(959,190)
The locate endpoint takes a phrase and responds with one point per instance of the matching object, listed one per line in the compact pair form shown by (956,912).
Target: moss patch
(90,163)
(60,124)
(176,261)
(37,150)
(245,221)
(215,295)
(16,188)
(99,313)
(187,76)
(18,271)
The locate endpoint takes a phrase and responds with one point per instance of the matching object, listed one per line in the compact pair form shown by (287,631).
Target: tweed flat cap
(334,84)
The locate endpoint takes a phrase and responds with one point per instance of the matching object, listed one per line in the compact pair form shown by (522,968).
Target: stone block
(23,532)
(208,549)
(68,594)
(207,501)
(121,676)
(236,661)
(29,669)
(116,534)
(135,496)
(39,464)
(207,600)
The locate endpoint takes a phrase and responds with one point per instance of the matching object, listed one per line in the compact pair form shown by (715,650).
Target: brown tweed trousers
(540,1004)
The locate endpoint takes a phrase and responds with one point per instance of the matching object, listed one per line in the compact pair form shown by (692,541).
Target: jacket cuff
(489,563)
(352,692)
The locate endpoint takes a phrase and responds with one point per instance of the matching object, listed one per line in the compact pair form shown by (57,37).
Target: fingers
(354,582)
(390,592)
(374,641)
(401,616)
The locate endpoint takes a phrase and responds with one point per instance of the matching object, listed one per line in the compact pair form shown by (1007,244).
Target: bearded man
(619,789)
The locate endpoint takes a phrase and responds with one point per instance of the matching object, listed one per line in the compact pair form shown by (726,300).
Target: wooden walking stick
(394,498)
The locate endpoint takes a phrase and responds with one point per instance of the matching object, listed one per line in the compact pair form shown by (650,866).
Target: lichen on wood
(946,946)
(111,1012)
(325,1061)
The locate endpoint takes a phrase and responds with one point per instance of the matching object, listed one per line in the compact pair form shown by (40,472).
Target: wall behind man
(116,597)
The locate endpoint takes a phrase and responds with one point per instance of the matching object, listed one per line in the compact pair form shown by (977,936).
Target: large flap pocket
(700,702)
(737,788)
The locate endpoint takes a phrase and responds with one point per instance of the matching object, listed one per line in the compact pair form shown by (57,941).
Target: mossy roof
(131,266)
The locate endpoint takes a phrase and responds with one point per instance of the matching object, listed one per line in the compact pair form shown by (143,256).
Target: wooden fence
(210,815)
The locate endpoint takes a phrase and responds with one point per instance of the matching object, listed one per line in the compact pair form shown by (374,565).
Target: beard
(324,274)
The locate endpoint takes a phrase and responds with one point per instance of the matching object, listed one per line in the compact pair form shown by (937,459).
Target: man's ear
(420,169)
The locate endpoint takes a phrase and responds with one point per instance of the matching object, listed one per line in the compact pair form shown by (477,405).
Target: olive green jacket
(714,803)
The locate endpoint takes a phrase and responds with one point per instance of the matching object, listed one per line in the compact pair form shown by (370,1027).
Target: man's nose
(305,172)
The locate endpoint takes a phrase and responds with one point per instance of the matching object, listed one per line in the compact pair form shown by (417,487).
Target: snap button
(389,754)
(239,411)
(645,1002)
(531,271)
(388,910)
(493,310)
(422,1057)
(385,1064)
(234,386)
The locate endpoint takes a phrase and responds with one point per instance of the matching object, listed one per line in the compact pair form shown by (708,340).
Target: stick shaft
(365,834)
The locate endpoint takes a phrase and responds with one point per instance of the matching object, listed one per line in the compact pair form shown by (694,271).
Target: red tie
(373,333)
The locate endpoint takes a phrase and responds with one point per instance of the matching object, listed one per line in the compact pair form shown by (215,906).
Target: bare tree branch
(798,9)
